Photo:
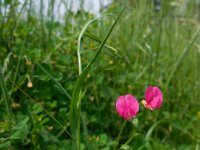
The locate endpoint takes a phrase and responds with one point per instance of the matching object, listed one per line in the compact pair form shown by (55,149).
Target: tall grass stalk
(21,50)
(17,67)
(5,95)
(75,107)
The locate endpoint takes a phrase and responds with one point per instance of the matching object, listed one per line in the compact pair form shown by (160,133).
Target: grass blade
(75,106)
(79,42)
(5,95)
(93,37)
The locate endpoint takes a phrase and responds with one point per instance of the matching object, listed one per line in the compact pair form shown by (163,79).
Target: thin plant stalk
(5,95)
(119,136)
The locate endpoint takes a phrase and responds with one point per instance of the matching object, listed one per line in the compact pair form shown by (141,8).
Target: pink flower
(127,106)
(153,98)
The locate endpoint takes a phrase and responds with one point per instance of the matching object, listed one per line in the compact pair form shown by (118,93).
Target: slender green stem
(131,138)
(5,95)
(119,136)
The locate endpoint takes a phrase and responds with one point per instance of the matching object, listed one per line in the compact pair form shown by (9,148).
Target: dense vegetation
(40,94)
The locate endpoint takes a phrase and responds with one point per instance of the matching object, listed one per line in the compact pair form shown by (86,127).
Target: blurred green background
(148,46)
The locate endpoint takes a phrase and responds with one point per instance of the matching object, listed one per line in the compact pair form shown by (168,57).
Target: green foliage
(44,63)
(20,130)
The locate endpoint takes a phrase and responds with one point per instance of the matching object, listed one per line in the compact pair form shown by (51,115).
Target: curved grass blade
(79,42)
(75,107)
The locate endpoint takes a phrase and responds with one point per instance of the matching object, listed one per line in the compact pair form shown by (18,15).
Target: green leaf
(103,139)
(21,130)
(135,122)
(148,135)
(125,147)
(6,144)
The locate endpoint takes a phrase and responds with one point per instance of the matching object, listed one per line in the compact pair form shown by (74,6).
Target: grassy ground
(45,104)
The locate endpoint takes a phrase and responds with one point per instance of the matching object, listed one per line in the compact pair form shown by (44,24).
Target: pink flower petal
(120,105)
(127,106)
(149,94)
(131,101)
(153,98)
